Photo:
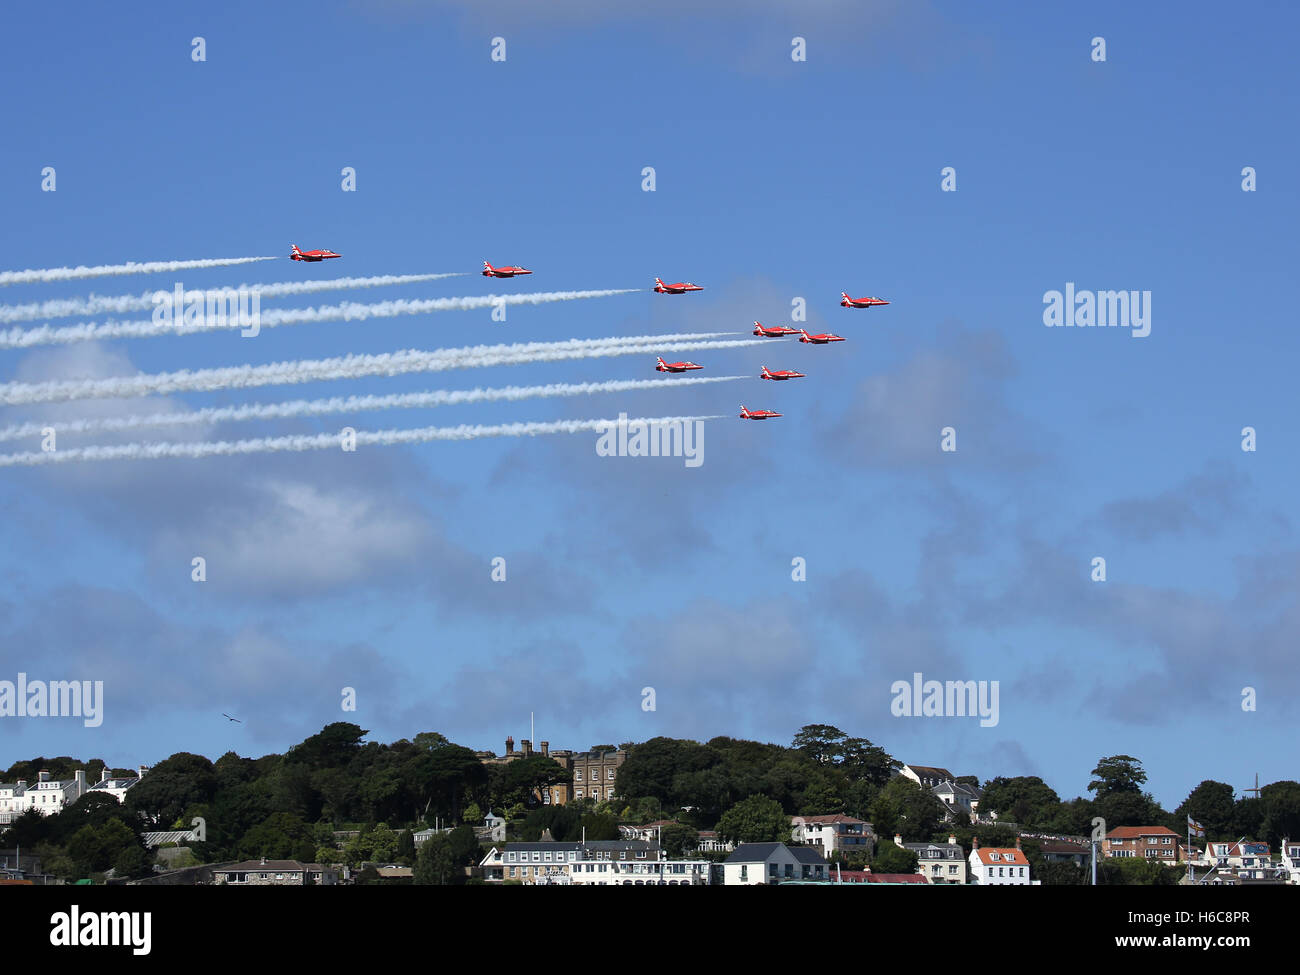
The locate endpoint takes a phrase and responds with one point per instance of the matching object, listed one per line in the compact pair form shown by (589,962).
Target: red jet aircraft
(298,255)
(780,374)
(502,272)
(775,332)
(745,414)
(848,302)
(820,339)
(675,289)
(676,366)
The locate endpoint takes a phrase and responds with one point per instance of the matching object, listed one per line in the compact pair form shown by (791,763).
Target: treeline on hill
(291,806)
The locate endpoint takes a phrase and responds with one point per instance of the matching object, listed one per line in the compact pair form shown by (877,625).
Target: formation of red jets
(680,287)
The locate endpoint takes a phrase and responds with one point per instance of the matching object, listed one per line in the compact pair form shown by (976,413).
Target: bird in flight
(236,720)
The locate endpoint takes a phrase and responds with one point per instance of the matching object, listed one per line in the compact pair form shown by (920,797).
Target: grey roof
(958,788)
(807,854)
(114,784)
(171,836)
(761,852)
(936,851)
(752,852)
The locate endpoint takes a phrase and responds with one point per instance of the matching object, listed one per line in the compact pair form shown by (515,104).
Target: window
(1168,840)
(609,774)
(536,856)
(577,775)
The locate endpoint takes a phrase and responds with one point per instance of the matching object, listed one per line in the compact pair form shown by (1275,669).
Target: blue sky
(775,180)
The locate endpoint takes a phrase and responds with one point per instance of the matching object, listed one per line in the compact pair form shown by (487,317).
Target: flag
(1195,828)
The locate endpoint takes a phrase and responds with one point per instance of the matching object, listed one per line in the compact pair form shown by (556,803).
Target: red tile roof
(1134,832)
(1006,856)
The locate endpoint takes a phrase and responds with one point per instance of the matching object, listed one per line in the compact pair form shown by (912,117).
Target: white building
(772,863)
(831,833)
(1291,859)
(13,801)
(600,863)
(994,866)
(961,801)
(48,796)
(1243,858)
(941,863)
(116,787)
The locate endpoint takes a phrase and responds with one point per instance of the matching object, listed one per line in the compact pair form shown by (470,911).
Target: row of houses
(643,862)
(50,796)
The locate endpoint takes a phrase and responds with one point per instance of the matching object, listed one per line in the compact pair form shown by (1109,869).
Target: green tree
(600,826)
(652,767)
(406,848)
(821,743)
(1023,799)
(865,762)
(892,858)
(463,847)
(1281,807)
(1118,773)
(904,807)
(96,848)
(332,747)
(383,844)
(435,863)
(755,820)
(1210,804)
(171,786)
(520,781)
(821,799)
(678,839)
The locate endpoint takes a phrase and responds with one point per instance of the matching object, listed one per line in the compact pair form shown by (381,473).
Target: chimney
(263,861)
(510,744)
(43,776)
(898,839)
(79,777)
(952,840)
(546,749)
(974,843)
(1017,842)
(22,784)
(139,772)
(526,746)
(103,776)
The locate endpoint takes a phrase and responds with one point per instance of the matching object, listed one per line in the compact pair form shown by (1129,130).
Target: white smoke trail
(355,366)
(17,338)
(323,441)
(33,275)
(348,404)
(122,304)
